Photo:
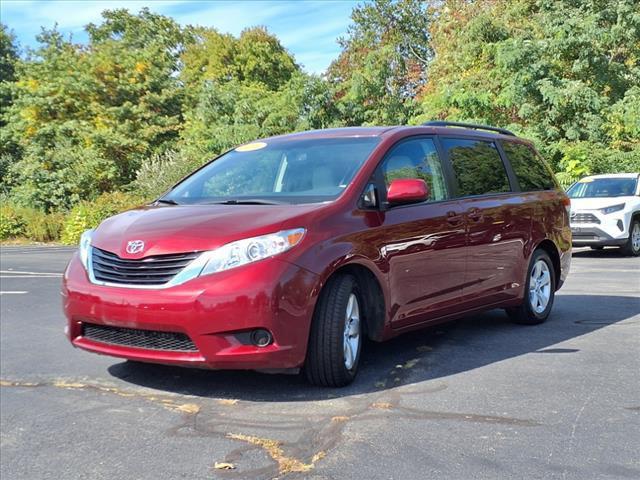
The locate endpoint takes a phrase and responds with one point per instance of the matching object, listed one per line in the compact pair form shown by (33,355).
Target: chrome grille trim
(155,272)
(584,218)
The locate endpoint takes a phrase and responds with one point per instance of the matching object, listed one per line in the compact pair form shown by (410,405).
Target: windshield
(280,171)
(603,187)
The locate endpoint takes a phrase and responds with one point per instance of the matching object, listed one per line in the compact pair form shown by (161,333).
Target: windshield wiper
(250,201)
(167,201)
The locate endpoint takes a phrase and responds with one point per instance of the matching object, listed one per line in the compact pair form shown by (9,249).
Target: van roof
(345,132)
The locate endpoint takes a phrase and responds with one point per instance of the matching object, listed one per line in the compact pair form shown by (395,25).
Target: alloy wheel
(540,286)
(635,237)
(351,343)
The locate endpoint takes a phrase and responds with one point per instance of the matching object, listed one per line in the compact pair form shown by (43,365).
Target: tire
(632,247)
(597,247)
(526,313)
(333,352)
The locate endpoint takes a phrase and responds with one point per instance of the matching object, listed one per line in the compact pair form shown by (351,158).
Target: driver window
(417,158)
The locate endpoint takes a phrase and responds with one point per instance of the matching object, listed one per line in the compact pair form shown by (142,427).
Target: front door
(422,245)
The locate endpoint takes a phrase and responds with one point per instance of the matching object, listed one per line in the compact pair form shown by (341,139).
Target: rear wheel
(539,291)
(632,247)
(336,334)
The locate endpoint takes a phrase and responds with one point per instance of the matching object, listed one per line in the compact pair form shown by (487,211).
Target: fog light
(261,338)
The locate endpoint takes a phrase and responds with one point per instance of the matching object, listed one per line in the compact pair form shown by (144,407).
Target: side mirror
(407,190)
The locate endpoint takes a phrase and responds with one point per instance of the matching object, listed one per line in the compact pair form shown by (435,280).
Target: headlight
(85,245)
(612,208)
(249,250)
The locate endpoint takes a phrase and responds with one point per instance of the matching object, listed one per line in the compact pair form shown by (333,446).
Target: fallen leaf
(274,449)
(318,456)
(381,405)
(7,383)
(188,408)
(339,418)
(224,466)
(227,401)
(65,384)
(411,363)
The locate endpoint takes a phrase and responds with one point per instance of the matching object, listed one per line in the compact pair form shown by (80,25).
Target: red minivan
(285,253)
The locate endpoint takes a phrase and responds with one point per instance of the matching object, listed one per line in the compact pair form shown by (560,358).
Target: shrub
(56,178)
(86,215)
(585,158)
(30,223)
(11,223)
(161,172)
(40,226)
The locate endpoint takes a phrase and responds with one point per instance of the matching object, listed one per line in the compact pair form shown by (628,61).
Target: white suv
(605,211)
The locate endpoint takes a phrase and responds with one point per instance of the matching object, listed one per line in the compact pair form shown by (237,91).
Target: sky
(309,29)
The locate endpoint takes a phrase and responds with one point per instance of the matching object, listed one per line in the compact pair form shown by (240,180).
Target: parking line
(21,274)
(13,293)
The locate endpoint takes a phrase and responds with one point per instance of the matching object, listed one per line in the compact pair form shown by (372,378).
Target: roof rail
(442,123)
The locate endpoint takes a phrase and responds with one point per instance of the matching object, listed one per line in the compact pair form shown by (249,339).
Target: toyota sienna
(286,253)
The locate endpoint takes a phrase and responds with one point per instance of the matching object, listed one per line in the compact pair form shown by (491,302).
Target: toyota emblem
(135,246)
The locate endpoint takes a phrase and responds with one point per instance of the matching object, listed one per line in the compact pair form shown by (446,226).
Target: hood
(188,228)
(597,203)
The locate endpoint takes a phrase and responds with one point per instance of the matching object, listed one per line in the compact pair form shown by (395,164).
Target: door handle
(474,214)
(453,218)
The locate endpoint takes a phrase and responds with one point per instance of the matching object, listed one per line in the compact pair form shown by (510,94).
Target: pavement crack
(273,448)
(163,401)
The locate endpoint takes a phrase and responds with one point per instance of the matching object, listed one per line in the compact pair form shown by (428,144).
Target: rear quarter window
(531,171)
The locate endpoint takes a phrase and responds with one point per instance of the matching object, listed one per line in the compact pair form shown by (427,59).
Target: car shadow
(421,356)
(607,252)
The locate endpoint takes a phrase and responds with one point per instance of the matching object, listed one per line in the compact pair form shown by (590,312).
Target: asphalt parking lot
(477,398)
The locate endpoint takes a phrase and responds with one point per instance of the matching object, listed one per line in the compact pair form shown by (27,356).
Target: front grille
(584,218)
(585,236)
(157,270)
(131,337)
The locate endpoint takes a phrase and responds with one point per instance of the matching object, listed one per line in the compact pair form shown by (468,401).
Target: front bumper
(585,236)
(214,311)
(600,229)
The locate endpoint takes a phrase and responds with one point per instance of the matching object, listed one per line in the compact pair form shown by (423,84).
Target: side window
(416,158)
(477,166)
(530,170)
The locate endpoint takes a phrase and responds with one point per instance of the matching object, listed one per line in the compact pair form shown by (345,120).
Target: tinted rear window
(477,166)
(530,170)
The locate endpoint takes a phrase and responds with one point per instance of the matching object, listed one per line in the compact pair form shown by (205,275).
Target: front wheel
(336,334)
(632,247)
(539,292)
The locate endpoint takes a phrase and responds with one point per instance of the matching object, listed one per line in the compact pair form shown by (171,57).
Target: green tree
(236,112)
(382,67)
(245,88)
(8,60)
(210,57)
(113,102)
(9,150)
(557,71)
(261,59)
